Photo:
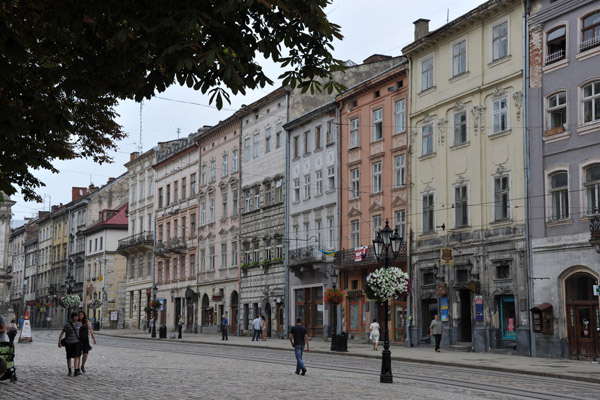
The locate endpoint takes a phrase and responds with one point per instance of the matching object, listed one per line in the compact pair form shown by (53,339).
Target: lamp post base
(386,355)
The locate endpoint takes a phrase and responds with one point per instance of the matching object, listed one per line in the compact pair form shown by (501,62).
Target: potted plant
(277,259)
(254,263)
(386,283)
(266,262)
(334,296)
(244,265)
(70,301)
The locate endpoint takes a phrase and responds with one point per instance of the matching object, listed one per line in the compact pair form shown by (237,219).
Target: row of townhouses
(480,144)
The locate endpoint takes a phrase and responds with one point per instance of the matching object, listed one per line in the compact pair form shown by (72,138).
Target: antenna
(448,16)
(141,111)
(178,132)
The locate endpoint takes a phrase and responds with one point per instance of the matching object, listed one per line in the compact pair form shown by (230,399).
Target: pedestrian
(299,338)
(3,329)
(436,329)
(71,342)
(257,327)
(374,333)
(224,325)
(152,322)
(180,323)
(12,331)
(49,321)
(263,328)
(84,338)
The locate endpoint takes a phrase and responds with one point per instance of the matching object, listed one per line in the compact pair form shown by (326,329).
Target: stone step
(461,346)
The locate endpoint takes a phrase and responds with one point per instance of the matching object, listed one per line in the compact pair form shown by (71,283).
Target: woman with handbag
(84,332)
(71,341)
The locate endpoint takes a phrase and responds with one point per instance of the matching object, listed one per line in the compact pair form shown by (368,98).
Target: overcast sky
(373,27)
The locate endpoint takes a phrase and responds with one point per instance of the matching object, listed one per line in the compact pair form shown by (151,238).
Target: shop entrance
(465,315)
(429,308)
(583,317)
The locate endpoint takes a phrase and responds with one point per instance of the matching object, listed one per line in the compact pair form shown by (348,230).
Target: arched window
(559,192)
(590,31)
(592,189)
(556,45)
(579,287)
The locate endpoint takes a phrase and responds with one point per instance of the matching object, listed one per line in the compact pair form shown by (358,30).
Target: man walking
(436,329)
(224,325)
(298,338)
(257,327)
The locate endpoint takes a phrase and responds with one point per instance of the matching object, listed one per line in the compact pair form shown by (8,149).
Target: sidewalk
(565,369)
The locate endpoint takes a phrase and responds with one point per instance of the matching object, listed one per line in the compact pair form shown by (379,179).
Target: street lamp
(334,281)
(154,291)
(386,242)
(70,282)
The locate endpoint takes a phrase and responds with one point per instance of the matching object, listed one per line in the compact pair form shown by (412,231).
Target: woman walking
(84,332)
(264,328)
(71,342)
(375,333)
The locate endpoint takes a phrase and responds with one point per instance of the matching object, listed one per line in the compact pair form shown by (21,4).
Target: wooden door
(234,318)
(189,316)
(584,339)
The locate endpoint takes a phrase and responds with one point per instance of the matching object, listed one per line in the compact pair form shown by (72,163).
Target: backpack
(12,332)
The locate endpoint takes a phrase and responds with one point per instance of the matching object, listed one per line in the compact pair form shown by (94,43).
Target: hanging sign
(478,308)
(444,308)
(446,256)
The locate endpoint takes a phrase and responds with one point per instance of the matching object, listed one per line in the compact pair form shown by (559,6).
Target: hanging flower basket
(386,283)
(334,296)
(155,304)
(70,301)
(94,304)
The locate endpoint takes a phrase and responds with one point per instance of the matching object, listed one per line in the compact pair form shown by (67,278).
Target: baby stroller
(7,352)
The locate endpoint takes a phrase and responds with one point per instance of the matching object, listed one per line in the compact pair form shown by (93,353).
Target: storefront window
(508,321)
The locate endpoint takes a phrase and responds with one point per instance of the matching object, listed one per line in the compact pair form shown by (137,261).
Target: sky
(374,27)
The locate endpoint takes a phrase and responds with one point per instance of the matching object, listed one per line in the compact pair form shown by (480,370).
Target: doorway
(268,318)
(465,315)
(189,325)
(583,317)
(280,320)
(430,310)
(234,312)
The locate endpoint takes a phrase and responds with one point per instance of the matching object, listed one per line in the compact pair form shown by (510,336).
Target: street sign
(596,290)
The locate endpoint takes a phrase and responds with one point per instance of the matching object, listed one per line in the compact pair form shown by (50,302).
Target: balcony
(589,43)
(554,57)
(173,245)
(139,241)
(307,255)
(347,257)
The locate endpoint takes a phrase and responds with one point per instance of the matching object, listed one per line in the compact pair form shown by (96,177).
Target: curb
(394,358)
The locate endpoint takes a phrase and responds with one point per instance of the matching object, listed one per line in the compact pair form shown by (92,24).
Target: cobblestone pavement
(127,368)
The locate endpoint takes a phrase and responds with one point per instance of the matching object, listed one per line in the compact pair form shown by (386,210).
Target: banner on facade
(446,256)
(444,308)
(360,253)
(478,308)
(162,304)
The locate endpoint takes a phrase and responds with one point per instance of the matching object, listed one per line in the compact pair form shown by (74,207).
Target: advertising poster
(478,308)
(444,308)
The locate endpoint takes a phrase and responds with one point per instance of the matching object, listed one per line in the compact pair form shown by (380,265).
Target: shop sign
(446,256)
(444,307)
(217,297)
(354,293)
(114,315)
(162,304)
(478,308)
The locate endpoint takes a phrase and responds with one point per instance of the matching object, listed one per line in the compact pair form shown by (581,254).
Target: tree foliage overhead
(65,65)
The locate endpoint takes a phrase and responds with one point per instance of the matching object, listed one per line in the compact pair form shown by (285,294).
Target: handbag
(63,342)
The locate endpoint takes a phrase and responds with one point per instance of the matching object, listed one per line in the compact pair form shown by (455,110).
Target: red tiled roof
(117,220)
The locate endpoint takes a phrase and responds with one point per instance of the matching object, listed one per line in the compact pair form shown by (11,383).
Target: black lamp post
(386,246)
(70,282)
(334,281)
(154,290)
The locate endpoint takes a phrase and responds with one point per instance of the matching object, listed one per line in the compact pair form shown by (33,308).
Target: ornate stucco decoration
(459,106)
(475,113)
(427,119)
(499,91)
(412,135)
(501,169)
(518,98)
(478,118)
(442,128)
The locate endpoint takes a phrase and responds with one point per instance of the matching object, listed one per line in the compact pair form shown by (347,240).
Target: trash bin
(163,332)
(342,342)
(96,326)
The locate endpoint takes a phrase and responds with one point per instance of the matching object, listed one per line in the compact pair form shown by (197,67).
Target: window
(591,102)
(192,264)
(175,269)
(256,252)
(234,254)
(400,115)
(279,248)
(213,170)
(355,233)
(150,182)
(306,142)
(354,132)
(401,224)
(428,278)
(223,255)
(500,110)
(211,258)
(590,32)
(278,132)
(317,137)
(428,208)
(176,191)
(592,189)
(330,233)
(459,58)
(246,149)
(267,194)
(559,193)
(183,227)
(256,146)
(168,199)
(461,215)
(160,197)
(296,189)
(330,179)
(376,225)
(502,271)
(247,202)
(501,202)
(203,175)
(378,124)
(329,133)
(355,183)
(193,185)
(183,188)
(460,128)
(193,225)
(279,190)
(223,205)
(202,213)
(101,239)
(133,196)
(427,139)
(267,140)
(399,170)
(376,177)
(225,165)
(500,41)
(318,182)
(211,210)
(142,190)
(202,260)
(318,227)
(256,198)
(236,165)
(295,144)
(306,187)
(427,74)
(247,253)
(556,45)
(557,113)
(234,201)
(182,266)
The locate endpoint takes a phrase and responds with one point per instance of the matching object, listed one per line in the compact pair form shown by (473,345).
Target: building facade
(565,171)
(5,275)
(17,263)
(467,222)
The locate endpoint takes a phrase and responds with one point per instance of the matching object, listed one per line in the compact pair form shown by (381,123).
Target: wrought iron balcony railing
(348,257)
(139,239)
(308,254)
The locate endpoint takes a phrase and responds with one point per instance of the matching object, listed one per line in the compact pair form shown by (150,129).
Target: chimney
(111,180)
(134,155)
(421,28)
(78,192)
(92,188)
(376,58)
(54,208)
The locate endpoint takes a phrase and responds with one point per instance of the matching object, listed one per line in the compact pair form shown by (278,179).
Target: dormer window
(556,45)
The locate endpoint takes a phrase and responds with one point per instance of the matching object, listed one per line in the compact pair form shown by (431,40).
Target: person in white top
(374,333)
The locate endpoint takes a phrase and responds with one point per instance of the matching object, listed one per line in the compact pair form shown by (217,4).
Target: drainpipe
(407,322)
(527,166)
(239,236)
(286,270)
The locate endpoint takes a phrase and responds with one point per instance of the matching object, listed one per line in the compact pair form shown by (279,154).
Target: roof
(542,307)
(116,221)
